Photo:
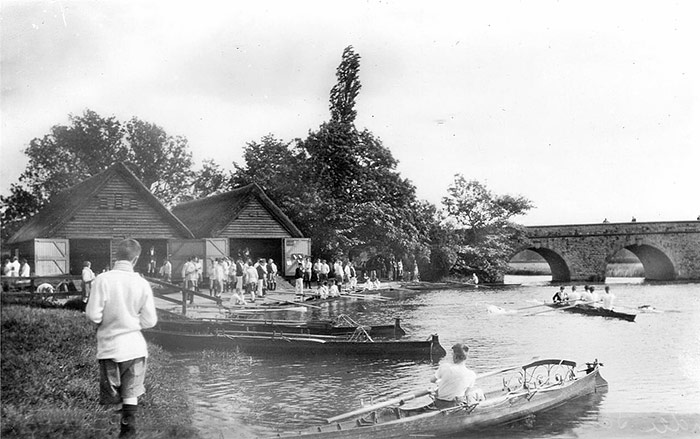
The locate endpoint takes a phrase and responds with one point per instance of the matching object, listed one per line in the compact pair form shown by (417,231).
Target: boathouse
(244,222)
(84,222)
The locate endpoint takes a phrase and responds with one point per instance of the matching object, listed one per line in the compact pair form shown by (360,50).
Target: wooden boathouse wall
(249,221)
(86,221)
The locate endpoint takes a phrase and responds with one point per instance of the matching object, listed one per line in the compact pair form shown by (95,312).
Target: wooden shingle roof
(63,205)
(207,217)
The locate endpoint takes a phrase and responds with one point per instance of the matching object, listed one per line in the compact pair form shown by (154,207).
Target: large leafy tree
(485,237)
(340,184)
(88,145)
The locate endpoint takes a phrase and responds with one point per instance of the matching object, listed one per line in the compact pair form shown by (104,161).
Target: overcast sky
(588,108)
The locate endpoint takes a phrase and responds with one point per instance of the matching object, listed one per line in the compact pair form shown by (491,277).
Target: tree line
(339,185)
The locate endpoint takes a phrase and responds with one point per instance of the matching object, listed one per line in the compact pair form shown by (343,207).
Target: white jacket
(121,303)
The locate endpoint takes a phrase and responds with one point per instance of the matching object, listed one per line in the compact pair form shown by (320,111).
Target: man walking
(121,304)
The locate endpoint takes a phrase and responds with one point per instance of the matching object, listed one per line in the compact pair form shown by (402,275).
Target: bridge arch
(657,264)
(557,264)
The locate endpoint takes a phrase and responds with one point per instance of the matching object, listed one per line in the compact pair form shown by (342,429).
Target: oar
(293,303)
(563,307)
(399,400)
(409,396)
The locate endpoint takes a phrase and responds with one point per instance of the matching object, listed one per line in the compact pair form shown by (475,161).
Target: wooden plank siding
(254,221)
(118,210)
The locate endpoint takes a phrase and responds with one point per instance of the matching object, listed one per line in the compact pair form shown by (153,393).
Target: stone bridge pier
(667,250)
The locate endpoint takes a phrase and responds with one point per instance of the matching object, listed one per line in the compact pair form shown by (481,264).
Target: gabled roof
(62,206)
(208,217)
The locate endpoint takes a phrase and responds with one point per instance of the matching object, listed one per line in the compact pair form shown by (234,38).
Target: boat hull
(438,423)
(296,344)
(594,311)
(196,326)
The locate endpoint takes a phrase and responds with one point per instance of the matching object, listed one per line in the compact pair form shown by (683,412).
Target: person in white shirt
(121,304)
(595,296)
(14,267)
(455,382)
(573,296)
(608,298)
(87,277)
(271,275)
(251,279)
(333,291)
(586,296)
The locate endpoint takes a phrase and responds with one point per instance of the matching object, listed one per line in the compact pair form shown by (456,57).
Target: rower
(586,296)
(608,298)
(574,295)
(595,296)
(455,381)
(559,295)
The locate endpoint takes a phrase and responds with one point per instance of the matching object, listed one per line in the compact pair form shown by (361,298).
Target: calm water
(652,365)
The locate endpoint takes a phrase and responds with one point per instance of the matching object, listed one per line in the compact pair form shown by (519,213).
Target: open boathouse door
(294,251)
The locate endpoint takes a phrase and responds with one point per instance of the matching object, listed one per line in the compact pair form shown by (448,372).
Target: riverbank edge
(49,382)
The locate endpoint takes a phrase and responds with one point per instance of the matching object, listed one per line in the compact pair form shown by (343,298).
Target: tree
(486,239)
(88,145)
(339,185)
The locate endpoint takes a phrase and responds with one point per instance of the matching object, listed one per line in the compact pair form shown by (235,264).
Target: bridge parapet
(628,228)
(668,250)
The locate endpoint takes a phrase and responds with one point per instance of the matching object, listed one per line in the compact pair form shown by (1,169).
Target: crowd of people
(250,278)
(589,296)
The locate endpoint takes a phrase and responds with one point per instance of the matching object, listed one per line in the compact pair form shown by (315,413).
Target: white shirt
(121,303)
(608,300)
(24,270)
(453,380)
(88,275)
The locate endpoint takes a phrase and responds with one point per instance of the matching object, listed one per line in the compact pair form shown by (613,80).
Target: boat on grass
(524,391)
(592,311)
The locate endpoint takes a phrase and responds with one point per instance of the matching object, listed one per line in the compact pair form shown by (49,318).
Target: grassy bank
(50,387)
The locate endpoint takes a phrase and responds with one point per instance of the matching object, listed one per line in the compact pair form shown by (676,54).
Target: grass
(50,389)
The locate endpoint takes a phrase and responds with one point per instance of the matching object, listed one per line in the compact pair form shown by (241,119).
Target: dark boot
(128,422)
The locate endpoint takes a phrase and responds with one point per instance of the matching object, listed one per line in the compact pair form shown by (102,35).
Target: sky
(589,109)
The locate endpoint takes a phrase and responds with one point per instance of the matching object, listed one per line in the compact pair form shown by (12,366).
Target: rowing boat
(536,387)
(342,325)
(359,344)
(592,311)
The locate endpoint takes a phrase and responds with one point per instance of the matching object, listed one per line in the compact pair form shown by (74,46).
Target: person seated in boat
(455,382)
(559,295)
(586,296)
(595,296)
(574,296)
(333,290)
(608,299)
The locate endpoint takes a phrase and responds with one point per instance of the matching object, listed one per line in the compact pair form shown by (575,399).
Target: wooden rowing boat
(592,311)
(536,387)
(359,344)
(342,325)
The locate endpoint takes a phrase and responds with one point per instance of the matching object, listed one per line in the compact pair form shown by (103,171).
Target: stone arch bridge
(581,252)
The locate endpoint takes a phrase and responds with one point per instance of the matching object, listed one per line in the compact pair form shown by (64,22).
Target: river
(652,365)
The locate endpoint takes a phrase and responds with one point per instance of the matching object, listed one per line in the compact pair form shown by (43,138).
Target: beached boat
(341,325)
(275,343)
(532,388)
(592,311)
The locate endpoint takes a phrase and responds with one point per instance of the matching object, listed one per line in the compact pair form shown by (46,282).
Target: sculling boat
(342,325)
(359,344)
(533,388)
(592,311)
